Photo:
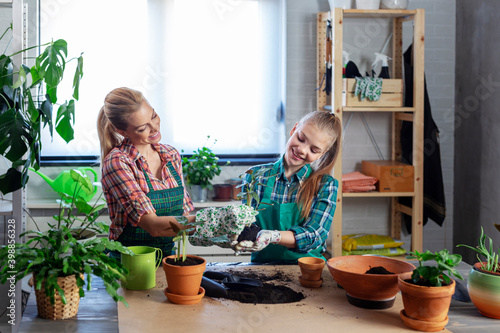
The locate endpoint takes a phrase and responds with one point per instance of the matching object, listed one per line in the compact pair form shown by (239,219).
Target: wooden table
(325,308)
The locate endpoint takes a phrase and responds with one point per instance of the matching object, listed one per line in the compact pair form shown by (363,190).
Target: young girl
(297,205)
(141,178)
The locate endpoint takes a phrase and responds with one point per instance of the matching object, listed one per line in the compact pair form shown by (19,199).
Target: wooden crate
(393,176)
(392,94)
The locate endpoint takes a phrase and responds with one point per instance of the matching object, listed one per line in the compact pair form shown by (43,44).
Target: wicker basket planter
(59,310)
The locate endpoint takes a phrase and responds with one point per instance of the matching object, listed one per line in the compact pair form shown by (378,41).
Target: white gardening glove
(264,238)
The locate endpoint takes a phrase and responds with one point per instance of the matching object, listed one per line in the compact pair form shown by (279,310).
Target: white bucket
(367,4)
(345,4)
(394,4)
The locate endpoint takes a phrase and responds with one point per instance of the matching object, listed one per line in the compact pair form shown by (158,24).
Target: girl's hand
(264,238)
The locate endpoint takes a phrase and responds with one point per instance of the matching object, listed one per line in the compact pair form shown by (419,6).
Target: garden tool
(231,281)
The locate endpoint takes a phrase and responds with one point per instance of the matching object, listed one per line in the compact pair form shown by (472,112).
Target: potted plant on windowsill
(182,271)
(199,170)
(483,282)
(27,98)
(428,289)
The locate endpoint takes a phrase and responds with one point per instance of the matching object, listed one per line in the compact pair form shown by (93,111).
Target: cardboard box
(392,176)
(392,94)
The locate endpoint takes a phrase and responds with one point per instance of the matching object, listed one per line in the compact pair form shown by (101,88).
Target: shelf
(377,194)
(381,13)
(336,101)
(377,109)
(5,208)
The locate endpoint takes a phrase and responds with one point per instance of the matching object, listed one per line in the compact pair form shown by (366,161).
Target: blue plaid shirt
(313,232)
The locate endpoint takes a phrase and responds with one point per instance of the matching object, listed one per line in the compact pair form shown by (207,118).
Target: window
(208,67)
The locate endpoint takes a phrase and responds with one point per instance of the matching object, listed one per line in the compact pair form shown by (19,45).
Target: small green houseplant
(483,282)
(428,289)
(201,167)
(27,99)
(485,248)
(435,276)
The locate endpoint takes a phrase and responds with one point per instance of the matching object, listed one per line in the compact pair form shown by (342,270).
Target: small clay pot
(184,280)
(425,304)
(223,192)
(311,268)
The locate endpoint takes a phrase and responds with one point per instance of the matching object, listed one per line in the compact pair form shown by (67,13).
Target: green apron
(167,202)
(279,217)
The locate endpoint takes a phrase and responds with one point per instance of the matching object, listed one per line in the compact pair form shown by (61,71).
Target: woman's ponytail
(119,104)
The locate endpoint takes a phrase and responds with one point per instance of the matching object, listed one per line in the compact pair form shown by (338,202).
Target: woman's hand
(159,226)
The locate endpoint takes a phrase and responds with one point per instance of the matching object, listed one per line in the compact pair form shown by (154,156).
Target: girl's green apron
(168,202)
(279,217)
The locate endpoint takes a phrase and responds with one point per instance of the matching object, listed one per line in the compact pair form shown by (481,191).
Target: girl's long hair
(325,122)
(119,104)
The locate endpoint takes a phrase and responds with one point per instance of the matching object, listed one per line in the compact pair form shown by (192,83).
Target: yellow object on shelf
(368,242)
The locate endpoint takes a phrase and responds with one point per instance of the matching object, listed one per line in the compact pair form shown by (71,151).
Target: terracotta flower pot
(484,291)
(184,280)
(311,268)
(372,291)
(425,304)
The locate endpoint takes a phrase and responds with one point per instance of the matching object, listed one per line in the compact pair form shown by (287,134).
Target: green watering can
(64,183)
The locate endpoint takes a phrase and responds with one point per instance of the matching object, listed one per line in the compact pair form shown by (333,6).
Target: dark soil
(249,233)
(267,294)
(378,270)
(188,262)
(423,283)
(277,276)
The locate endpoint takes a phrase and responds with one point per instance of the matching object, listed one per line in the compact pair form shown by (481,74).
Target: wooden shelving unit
(414,114)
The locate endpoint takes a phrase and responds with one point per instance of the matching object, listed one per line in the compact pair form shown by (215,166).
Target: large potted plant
(428,289)
(28,96)
(199,169)
(59,261)
(483,282)
(183,272)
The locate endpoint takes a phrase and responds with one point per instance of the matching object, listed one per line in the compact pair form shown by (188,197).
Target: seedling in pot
(487,251)
(182,236)
(435,275)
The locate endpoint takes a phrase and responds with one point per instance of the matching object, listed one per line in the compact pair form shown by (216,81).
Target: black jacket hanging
(434,200)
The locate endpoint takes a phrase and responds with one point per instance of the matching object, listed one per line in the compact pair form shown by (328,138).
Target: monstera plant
(28,96)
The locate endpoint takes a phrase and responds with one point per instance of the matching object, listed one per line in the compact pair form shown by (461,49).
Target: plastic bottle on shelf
(384,72)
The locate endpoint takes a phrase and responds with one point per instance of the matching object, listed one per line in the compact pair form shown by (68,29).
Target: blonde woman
(141,178)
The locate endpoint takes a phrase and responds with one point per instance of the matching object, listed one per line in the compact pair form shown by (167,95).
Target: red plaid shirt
(125,186)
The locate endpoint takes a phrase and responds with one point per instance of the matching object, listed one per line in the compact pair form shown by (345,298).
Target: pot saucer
(423,325)
(182,299)
(310,283)
(370,304)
